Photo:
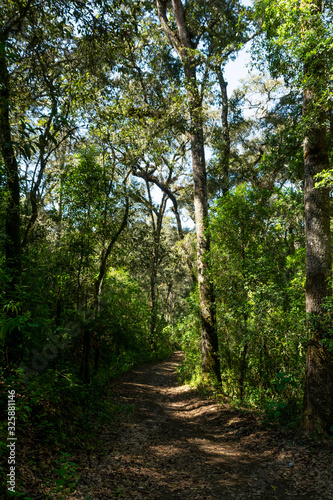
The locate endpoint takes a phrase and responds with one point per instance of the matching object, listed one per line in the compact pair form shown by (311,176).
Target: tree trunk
(153,305)
(209,339)
(13,225)
(103,267)
(85,362)
(318,395)
(225,149)
(105,255)
(184,45)
(242,371)
(157,228)
(13,257)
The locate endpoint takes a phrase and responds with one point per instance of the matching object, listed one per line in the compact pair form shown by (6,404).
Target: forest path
(177,445)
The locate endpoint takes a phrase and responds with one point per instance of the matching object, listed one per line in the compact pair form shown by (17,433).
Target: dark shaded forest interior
(166,249)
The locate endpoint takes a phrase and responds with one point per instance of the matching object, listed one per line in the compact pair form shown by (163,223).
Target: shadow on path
(176,445)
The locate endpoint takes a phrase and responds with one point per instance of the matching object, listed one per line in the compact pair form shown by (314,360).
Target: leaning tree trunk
(318,395)
(103,267)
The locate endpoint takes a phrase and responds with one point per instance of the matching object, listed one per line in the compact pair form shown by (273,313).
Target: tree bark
(181,41)
(318,395)
(13,252)
(242,371)
(225,149)
(157,228)
(13,221)
(209,340)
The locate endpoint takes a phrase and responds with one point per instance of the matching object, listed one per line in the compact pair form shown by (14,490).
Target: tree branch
(172,37)
(139,172)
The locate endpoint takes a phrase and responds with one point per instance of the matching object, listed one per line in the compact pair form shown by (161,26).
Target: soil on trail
(178,445)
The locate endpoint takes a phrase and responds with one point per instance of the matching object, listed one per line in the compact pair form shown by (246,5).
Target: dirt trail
(176,445)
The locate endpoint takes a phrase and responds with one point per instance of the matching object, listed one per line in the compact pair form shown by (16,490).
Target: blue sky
(234,72)
(237,70)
